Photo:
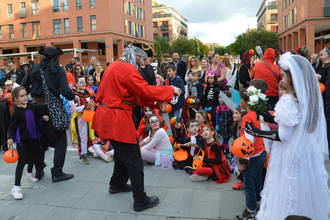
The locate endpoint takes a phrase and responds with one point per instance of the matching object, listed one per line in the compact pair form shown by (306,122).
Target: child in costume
(24,130)
(202,117)
(211,94)
(191,106)
(81,130)
(195,88)
(91,87)
(157,148)
(237,120)
(224,123)
(189,143)
(253,101)
(5,119)
(296,181)
(105,152)
(214,164)
(144,126)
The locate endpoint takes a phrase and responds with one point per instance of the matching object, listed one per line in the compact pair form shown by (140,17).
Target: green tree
(161,46)
(221,50)
(251,39)
(200,49)
(184,46)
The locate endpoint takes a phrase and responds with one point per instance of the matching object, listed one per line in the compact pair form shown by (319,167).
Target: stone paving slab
(86,196)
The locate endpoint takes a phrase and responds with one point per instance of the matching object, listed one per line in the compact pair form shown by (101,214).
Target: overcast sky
(217,21)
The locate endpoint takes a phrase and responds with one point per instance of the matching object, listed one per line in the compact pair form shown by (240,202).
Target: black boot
(58,175)
(149,203)
(39,174)
(116,189)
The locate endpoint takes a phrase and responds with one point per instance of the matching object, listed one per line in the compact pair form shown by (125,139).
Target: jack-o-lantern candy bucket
(88,115)
(242,147)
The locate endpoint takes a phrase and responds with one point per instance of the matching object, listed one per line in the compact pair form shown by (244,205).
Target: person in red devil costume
(121,89)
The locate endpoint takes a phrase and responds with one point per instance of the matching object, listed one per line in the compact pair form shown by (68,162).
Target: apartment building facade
(304,22)
(103,25)
(267,16)
(168,23)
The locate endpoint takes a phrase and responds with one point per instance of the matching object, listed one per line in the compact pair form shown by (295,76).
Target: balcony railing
(158,15)
(164,28)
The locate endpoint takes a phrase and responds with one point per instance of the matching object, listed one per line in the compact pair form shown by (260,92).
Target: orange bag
(10,156)
(179,154)
(198,159)
(88,115)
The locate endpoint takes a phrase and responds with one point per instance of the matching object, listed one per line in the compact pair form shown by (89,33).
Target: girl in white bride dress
(297,181)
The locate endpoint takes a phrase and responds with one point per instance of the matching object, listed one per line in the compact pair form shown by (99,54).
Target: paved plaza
(86,196)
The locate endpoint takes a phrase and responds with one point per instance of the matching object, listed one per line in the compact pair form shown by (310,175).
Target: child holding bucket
(81,129)
(24,130)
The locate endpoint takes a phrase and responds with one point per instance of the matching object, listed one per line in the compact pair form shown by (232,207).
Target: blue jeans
(253,181)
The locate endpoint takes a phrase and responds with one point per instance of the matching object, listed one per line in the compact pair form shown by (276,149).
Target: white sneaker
(32,177)
(107,158)
(16,192)
(195,178)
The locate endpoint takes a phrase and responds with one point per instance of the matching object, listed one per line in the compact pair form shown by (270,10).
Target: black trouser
(28,152)
(60,144)
(128,165)
(328,132)
(272,100)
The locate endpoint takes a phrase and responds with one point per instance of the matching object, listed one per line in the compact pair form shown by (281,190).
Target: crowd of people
(275,103)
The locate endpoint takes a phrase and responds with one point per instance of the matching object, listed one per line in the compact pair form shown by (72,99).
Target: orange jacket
(251,117)
(120,87)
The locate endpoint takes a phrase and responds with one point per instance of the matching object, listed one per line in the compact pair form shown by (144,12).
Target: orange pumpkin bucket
(88,115)
(198,159)
(242,147)
(171,139)
(168,108)
(179,154)
(10,156)
(322,87)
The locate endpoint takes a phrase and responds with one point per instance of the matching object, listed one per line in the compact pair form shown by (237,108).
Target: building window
(273,17)
(78,5)
(285,4)
(66,25)
(35,29)
(129,8)
(165,23)
(286,22)
(93,22)
(79,24)
(0,33)
(57,26)
(23,5)
(56,5)
(155,24)
(35,7)
(65,5)
(166,36)
(155,35)
(11,31)
(10,10)
(126,26)
(92,3)
(24,33)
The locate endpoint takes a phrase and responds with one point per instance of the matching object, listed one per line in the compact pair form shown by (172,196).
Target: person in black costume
(57,84)
(4,118)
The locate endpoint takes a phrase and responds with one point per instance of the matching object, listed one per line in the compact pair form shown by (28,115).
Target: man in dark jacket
(57,84)
(180,65)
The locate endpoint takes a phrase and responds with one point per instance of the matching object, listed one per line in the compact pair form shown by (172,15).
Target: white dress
(296,182)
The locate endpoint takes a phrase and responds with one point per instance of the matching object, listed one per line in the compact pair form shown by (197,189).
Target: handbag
(57,113)
(179,154)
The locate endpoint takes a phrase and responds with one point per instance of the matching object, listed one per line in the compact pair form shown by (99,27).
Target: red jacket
(122,83)
(261,71)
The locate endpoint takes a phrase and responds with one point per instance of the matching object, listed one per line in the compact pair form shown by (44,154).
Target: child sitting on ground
(214,164)
(189,144)
(157,148)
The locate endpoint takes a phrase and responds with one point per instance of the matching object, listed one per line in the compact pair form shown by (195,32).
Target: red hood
(270,55)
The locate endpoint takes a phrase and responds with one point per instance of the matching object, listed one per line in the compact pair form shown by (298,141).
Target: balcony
(159,15)
(164,28)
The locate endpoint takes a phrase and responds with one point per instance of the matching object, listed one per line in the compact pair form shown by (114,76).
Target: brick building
(103,25)
(304,22)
